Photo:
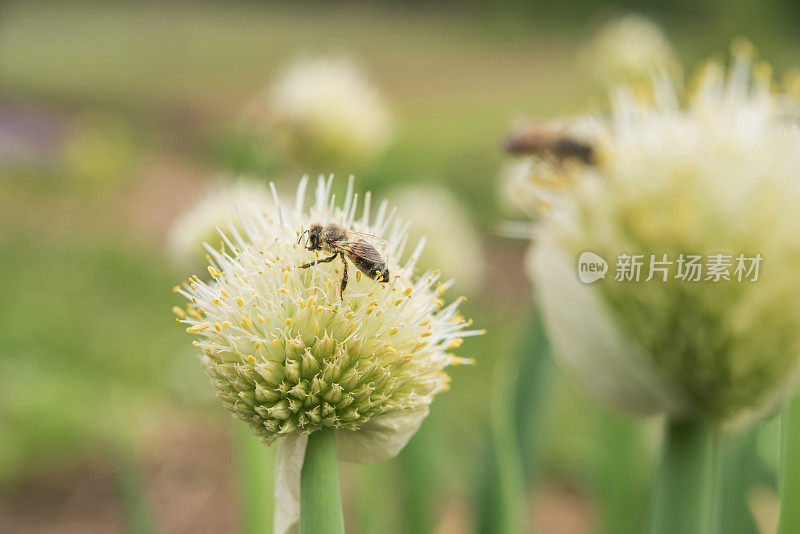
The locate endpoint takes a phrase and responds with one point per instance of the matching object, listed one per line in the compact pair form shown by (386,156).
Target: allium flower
(287,356)
(325,110)
(451,241)
(217,208)
(628,48)
(718,174)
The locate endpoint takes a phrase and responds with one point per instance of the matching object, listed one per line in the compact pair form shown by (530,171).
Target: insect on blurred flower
(217,208)
(718,173)
(628,49)
(325,111)
(288,357)
(451,241)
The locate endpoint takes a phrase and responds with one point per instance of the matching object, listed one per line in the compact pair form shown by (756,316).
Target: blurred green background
(115,115)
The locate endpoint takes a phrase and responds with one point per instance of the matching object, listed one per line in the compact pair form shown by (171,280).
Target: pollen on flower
(329,363)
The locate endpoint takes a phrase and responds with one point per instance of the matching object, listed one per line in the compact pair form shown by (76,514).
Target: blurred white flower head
(288,356)
(324,110)
(715,171)
(452,243)
(216,209)
(627,48)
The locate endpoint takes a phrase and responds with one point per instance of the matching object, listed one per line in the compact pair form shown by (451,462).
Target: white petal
(610,366)
(381,438)
(287,482)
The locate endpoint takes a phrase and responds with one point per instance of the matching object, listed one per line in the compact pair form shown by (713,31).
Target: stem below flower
(320,494)
(790,468)
(684,496)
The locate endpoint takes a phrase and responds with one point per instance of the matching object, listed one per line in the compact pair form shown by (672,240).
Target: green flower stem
(684,496)
(790,468)
(739,472)
(417,462)
(531,396)
(256,466)
(510,499)
(320,494)
(620,483)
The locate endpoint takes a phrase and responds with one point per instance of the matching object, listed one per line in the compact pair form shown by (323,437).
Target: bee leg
(344,279)
(323,260)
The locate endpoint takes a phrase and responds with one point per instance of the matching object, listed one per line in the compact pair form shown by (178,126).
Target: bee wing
(361,249)
(371,238)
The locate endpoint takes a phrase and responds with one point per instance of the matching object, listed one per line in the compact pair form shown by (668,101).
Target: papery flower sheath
(288,356)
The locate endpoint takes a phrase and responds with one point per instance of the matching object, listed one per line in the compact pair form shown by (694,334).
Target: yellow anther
(251,358)
(454,344)
(179,312)
(218,327)
(285,277)
(257,345)
(196,329)
(276,342)
(389,347)
(176,288)
(283,290)
(398,302)
(425,322)
(191,312)
(196,343)
(212,271)
(426,333)
(288,321)
(407,292)
(260,318)
(240,302)
(224,293)
(193,286)
(392,331)
(227,324)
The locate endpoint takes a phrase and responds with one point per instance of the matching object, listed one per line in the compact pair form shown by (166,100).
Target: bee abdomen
(368,261)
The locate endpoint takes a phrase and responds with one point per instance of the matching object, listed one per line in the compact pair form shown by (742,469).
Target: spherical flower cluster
(325,111)
(217,208)
(452,243)
(628,48)
(717,174)
(288,356)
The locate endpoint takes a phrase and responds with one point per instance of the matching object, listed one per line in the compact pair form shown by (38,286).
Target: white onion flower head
(452,243)
(217,207)
(628,48)
(324,110)
(287,356)
(719,173)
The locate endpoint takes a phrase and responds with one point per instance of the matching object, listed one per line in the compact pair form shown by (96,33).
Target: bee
(541,140)
(347,245)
